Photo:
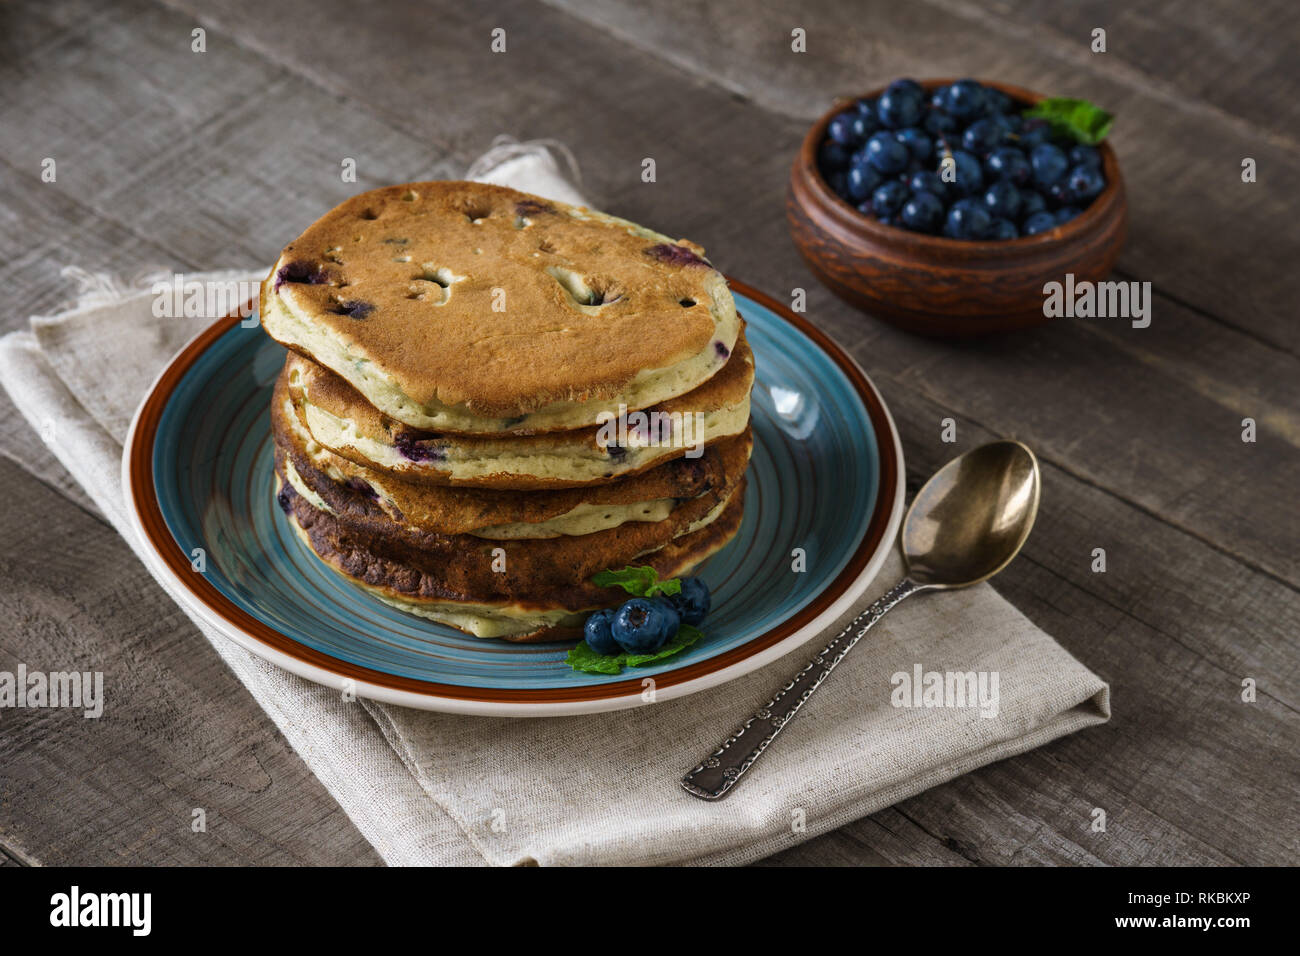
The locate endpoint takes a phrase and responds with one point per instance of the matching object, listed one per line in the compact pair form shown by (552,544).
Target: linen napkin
(428,788)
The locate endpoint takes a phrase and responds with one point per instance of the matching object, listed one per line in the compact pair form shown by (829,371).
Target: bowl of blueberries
(945,206)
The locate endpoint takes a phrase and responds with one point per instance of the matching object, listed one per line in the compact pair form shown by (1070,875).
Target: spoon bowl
(972,516)
(963,527)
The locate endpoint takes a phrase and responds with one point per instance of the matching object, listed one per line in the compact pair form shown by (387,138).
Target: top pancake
(469,308)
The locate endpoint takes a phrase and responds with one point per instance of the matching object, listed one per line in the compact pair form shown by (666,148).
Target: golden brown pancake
(543,590)
(335,484)
(469,308)
(340,418)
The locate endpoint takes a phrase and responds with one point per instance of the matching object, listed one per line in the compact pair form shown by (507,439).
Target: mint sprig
(1080,119)
(583,658)
(639,582)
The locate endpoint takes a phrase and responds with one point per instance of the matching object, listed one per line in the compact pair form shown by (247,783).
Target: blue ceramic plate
(825,483)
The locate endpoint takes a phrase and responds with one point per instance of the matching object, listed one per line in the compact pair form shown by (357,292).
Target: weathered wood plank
(178,731)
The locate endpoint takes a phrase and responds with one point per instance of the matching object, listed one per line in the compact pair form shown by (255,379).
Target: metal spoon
(963,527)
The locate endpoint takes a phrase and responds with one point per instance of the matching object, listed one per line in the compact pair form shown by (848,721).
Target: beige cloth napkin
(429,788)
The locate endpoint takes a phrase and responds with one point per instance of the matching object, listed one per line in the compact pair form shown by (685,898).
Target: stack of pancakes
(490,397)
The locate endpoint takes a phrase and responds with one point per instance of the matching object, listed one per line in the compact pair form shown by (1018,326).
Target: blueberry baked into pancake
(492,400)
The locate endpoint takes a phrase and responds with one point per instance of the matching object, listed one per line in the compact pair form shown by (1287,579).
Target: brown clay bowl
(939,286)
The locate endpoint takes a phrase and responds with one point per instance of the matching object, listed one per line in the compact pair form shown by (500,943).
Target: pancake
(339,486)
(468,308)
(522,603)
(341,419)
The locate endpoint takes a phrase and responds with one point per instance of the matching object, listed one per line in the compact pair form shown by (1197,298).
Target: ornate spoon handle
(718,773)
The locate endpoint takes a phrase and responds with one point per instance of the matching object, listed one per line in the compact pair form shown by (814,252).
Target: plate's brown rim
(145,498)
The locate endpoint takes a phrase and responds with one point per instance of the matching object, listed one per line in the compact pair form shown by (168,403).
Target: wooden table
(183,160)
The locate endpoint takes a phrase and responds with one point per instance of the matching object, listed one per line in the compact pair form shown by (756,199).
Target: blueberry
(1038,222)
(862,181)
(1034,132)
(998,101)
(917,143)
(840,129)
(642,625)
(938,98)
(1049,164)
(1085,182)
(900,105)
(970,177)
(965,100)
(886,154)
(863,125)
(414,448)
(864,208)
(888,198)
(1030,203)
(939,124)
(693,601)
(1009,163)
(923,212)
(866,107)
(1002,200)
(833,156)
(1003,229)
(1085,156)
(982,137)
(839,183)
(598,634)
(967,219)
(1066,213)
(1058,193)
(927,182)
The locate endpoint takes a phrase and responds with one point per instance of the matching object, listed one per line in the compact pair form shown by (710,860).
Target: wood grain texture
(171,158)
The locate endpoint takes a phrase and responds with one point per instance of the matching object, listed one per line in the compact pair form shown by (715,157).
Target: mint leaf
(641,582)
(583,658)
(632,580)
(1084,121)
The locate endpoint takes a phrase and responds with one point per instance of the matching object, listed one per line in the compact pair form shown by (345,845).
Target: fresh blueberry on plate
(643,625)
(598,634)
(692,601)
